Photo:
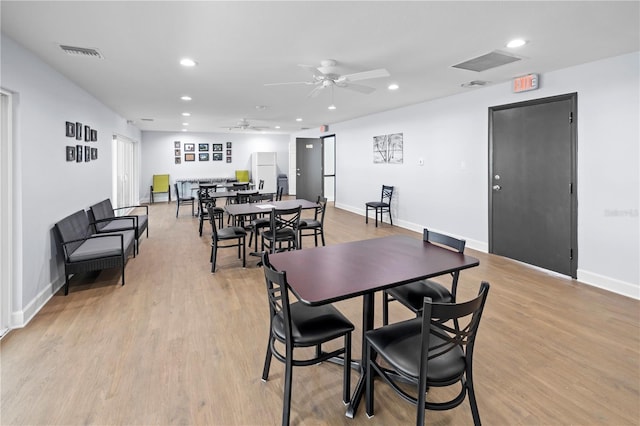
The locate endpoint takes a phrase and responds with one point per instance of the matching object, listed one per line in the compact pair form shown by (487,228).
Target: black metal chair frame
(314,227)
(427,351)
(382,206)
(308,333)
(412,294)
(225,235)
(283,228)
(184,201)
(259,221)
(204,198)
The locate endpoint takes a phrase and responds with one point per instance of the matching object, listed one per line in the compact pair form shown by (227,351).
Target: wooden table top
(320,275)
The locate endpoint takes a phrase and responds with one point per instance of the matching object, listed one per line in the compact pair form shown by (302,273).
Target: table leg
(367,324)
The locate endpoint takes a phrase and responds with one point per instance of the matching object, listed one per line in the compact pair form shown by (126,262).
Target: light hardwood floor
(179,345)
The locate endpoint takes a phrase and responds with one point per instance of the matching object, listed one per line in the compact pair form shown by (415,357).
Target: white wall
(158,155)
(450,192)
(45,186)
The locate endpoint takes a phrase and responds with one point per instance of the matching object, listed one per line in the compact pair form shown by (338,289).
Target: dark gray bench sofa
(85,251)
(102,216)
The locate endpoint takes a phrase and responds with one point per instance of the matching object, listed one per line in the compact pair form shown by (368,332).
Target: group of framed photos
(81,153)
(216,153)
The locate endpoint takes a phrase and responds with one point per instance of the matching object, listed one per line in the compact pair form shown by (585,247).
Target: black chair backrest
(240,186)
(279,193)
(446,240)
(210,205)
(321,209)
(244,198)
(453,324)
(74,227)
(278,295)
(205,196)
(387,193)
(175,185)
(285,218)
(261,184)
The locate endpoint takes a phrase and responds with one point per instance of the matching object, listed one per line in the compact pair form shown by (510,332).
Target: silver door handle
(497,187)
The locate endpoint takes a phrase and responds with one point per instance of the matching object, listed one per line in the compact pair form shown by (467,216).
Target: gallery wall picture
(203,147)
(217,147)
(217,156)
(178,160)
(87,154)
(229,145)
(71,151)
(78,153)
(189,147)
(203,156)
(388,149)
(94,153)
(177,152)
(228,159)
(70,129)
(176,144)
(78,131)
(87,134)
(94,135)
(189,157)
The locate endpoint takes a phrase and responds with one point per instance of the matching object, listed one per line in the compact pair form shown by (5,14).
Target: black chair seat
(412,295)
(382,206)
(311,324)
(309,223)
(377,204)
(231,232)
(281,234)
(399,344)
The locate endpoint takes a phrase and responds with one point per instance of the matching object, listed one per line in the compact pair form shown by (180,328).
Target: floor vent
(81,51)
(486,62)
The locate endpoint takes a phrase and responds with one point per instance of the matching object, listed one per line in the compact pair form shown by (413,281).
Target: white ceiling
(241,45)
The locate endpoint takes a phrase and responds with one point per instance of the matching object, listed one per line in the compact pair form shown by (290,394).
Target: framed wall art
(228,152)
(78,131)
(387,149)
(228,145)
(203,147)
(217,147)
(94,153)
(189,147)
(203,156)
(177,152)
(178,160)
(87,134)
(228,159)
(71,150)
(70,129)
(94,135)
(217,156)
(189,157)
(176,144)
(78,153)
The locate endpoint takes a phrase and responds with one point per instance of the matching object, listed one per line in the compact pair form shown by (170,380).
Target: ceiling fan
(243,124)
(326,75)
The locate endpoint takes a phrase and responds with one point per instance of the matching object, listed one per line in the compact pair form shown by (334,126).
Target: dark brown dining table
(321,275)
(265,207)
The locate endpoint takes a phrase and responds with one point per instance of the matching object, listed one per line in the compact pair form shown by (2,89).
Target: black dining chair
(231,236)
(205,197)
(296,325)
(314,227)
(184,201)
(435,350)
(382,206)
(283,229)
(412,294)
(260,221)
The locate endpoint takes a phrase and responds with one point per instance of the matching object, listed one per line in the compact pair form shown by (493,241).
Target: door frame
(573,97)
(6,213)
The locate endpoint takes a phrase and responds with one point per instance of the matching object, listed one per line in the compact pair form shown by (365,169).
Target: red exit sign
(525,83)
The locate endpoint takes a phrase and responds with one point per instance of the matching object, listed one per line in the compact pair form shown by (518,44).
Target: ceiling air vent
(488,61)
(475,83)
(81,51)
(147,119)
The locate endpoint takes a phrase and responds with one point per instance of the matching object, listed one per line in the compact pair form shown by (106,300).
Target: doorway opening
(126,172)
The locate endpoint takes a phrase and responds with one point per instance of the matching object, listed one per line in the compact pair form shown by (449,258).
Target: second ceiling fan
(326,75)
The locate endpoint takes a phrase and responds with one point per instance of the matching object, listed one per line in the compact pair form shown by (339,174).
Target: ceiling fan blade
(290,82)
(357,87)
(381,72)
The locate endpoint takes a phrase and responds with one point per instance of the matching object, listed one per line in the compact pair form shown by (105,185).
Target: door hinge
(571,188)
(571,117)
(570,254)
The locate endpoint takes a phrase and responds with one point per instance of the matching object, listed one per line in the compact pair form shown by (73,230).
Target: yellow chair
(242,175)
(160,185)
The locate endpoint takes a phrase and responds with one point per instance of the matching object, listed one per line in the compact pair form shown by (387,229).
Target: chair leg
(286,409)
(366,214)
(66,283)
(177,207)
(322,236)
(472,399)
(192,211)
(390,218)
(214,256)
(378,210)
(200,227)
(267,361)
(244,253)
(385,308)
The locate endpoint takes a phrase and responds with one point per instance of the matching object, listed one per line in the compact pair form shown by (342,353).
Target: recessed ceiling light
(261,107)
(277,127)
(393,86)
(518,42)
(186,98)
(186,114)
(184,130)
(187,62)
(298,119)
(331,107)
(185,124)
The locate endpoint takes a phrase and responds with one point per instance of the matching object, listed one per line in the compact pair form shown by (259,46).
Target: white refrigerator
(265,167)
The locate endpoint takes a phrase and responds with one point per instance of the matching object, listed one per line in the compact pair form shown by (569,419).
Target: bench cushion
(106,245)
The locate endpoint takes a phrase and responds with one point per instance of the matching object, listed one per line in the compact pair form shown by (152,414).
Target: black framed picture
(217,156)
(189,147)
(228,159)
(87,133)
(203,147)
(203,157)
(78,153)
(94,153)
(217,147)
(78,131)
(229,152)
(228,145)
(94,135)
(87,154)
(70,129)
(71,150)
(178,160)
(176,144)
(189,157)
(177,152)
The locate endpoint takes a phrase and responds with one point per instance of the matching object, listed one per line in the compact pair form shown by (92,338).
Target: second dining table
(328,274)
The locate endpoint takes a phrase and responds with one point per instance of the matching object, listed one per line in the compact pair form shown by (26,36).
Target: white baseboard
(21,318)
(609,284)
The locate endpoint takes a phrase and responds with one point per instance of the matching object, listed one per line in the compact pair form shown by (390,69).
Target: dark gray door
(309,175)
(532,202)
